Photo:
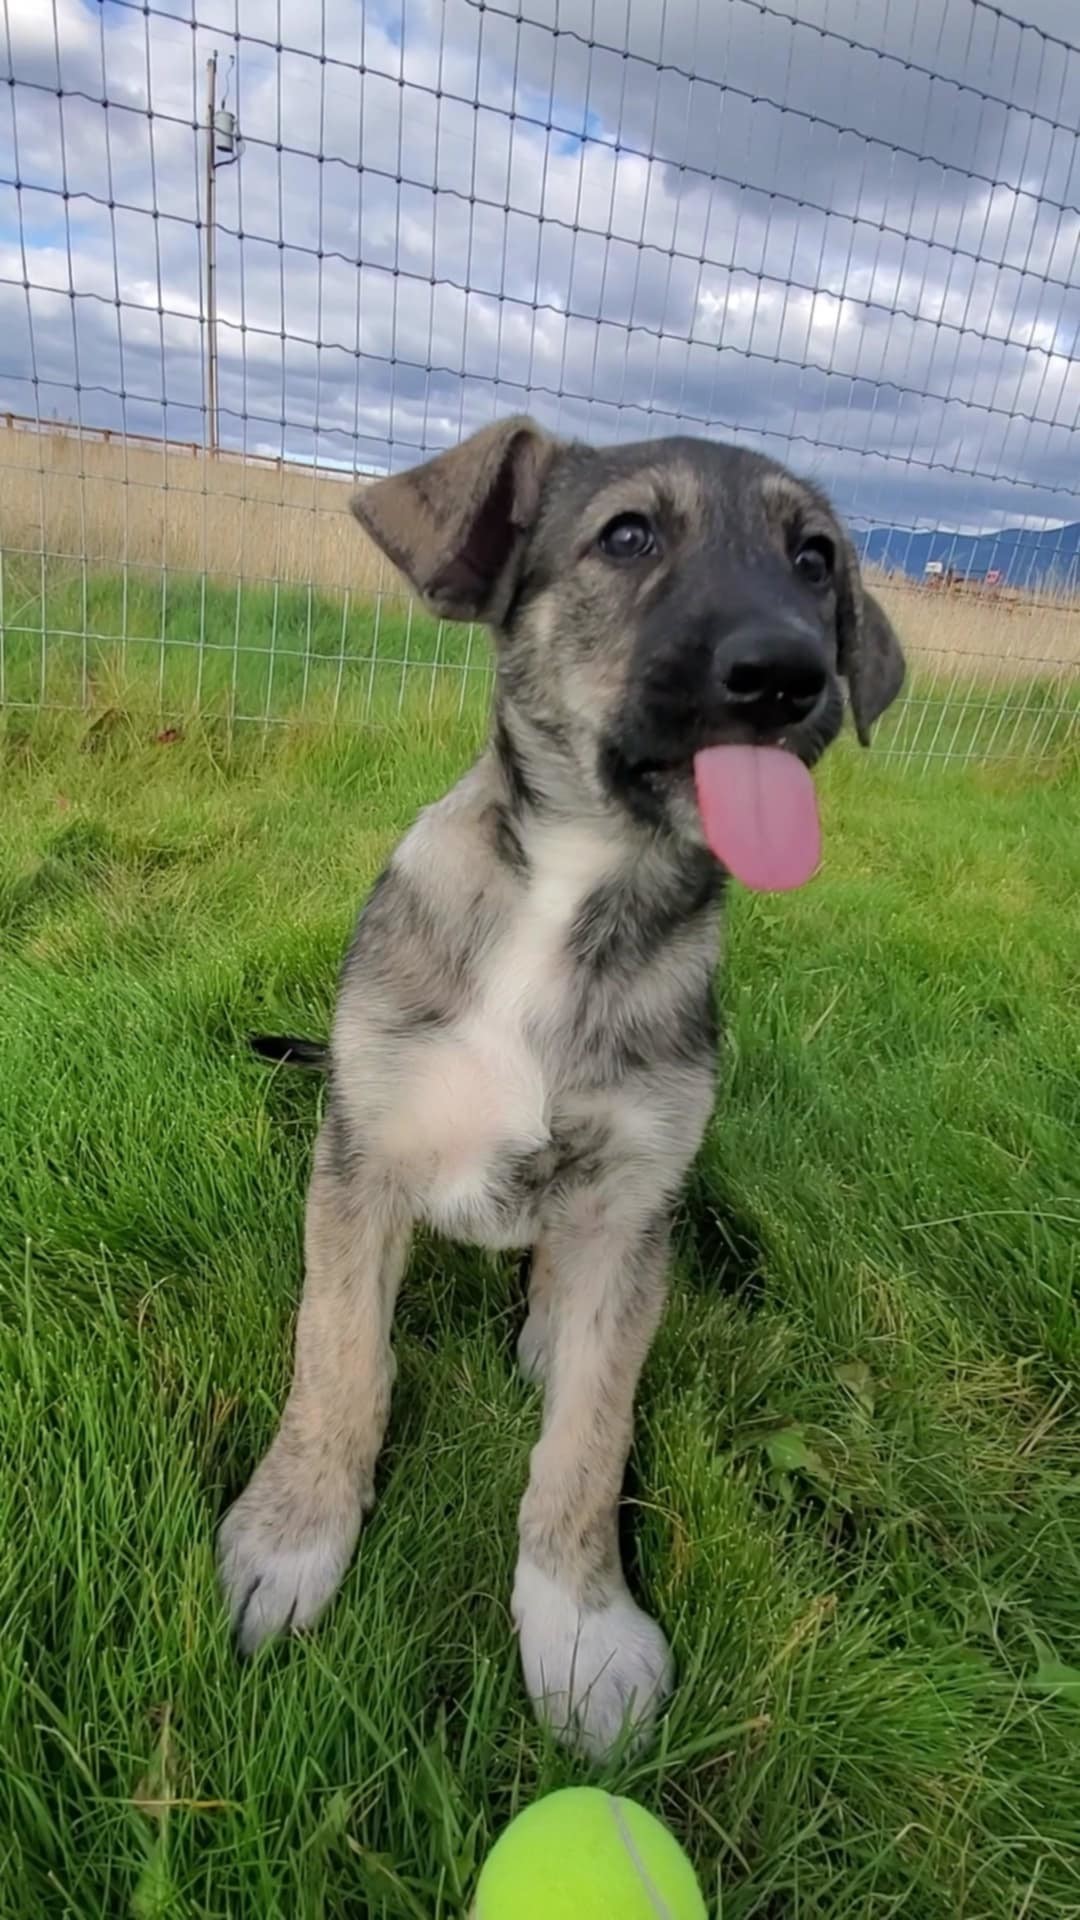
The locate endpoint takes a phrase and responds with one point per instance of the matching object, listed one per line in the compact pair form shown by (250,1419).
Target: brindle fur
(523,1051)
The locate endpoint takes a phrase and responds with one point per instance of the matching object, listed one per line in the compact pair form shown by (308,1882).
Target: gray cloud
(619,248)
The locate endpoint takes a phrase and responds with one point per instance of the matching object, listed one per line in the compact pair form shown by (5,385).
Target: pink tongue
(759,812)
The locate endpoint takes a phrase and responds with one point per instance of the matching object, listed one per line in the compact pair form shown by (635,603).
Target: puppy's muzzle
(765,679)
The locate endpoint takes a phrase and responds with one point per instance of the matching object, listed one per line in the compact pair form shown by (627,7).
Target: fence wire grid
(250,249)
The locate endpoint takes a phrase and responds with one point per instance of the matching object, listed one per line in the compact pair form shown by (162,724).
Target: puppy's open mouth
(759,815)
(758,811)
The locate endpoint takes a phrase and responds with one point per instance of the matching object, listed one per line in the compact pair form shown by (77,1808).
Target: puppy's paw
(280,1564)
(532,1349)
(592,1673)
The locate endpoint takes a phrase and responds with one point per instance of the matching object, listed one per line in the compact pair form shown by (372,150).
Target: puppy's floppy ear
(457,525)
(870,656)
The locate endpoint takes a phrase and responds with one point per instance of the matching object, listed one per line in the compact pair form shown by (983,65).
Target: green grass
(70,637)
(239,652)
(855,1493)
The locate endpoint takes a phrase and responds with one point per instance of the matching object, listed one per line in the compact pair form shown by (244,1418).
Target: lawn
(240,651)
(855,1495)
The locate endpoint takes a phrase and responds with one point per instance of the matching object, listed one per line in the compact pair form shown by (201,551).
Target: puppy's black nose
(768,679)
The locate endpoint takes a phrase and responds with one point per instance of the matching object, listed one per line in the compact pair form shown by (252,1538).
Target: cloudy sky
(847,231)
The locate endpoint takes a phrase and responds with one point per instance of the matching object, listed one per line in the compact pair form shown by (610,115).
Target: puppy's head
(650,603)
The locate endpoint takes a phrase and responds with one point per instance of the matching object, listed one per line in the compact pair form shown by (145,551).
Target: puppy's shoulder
(440,899)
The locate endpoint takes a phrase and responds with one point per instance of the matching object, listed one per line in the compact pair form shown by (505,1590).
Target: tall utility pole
(211,264)
(222,150)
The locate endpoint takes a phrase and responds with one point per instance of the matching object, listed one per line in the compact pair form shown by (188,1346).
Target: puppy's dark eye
(627,537)
(815,561)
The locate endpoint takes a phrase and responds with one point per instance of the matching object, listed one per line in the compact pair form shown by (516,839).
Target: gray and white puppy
(523,1053)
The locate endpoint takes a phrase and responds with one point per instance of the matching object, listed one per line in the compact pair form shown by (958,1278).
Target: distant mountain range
(1023,557)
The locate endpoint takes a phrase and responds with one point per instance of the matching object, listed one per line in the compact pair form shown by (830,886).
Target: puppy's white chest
(480,1100)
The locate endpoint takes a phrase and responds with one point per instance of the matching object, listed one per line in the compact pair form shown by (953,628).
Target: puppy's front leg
(533,1342)
(285,1544)
(593,1661)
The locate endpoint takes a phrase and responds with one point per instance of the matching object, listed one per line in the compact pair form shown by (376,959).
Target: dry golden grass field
(124,503)
(84,501)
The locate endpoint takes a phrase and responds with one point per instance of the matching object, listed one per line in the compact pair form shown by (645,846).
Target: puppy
(523,1053)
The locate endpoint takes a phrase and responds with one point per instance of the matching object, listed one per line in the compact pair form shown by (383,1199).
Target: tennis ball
(582,1854)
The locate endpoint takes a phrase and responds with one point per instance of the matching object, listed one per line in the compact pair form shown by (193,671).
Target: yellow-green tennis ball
(585,1855)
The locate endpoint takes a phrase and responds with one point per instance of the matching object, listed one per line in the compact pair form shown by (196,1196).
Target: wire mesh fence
(251,248)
